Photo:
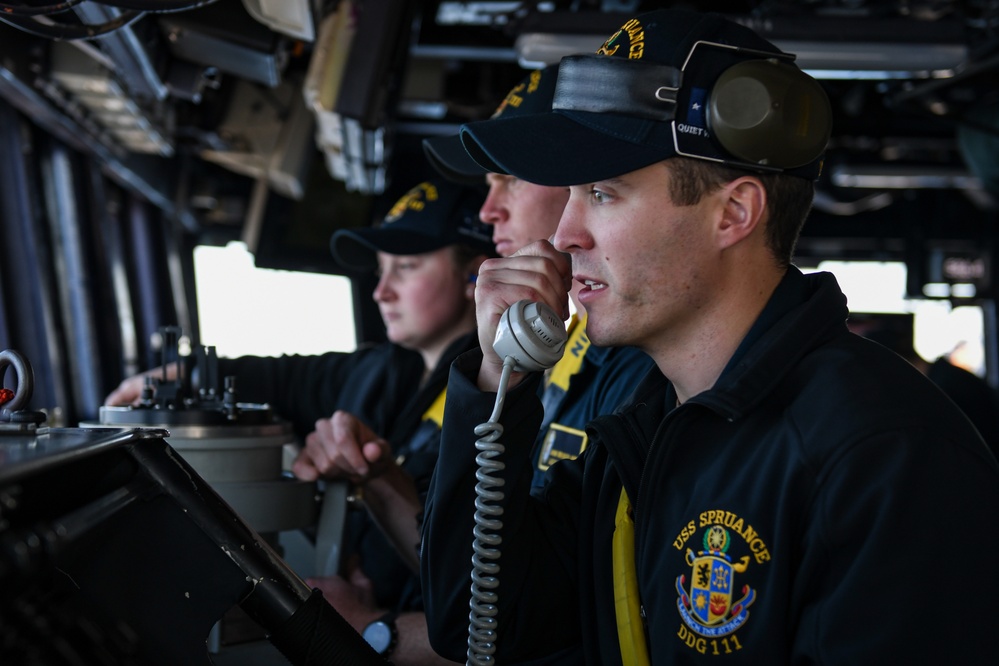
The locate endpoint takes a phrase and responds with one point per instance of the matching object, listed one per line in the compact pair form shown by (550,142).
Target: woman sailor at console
(373,416)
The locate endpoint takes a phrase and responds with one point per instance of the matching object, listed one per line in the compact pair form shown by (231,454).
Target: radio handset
(530,337)
(532,334)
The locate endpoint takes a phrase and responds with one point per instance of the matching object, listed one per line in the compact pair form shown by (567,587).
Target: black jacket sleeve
(302,389)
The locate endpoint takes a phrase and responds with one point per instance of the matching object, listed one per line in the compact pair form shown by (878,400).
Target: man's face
(521,212)
(645,263)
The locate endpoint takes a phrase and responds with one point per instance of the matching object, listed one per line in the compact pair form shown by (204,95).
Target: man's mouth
(593,285)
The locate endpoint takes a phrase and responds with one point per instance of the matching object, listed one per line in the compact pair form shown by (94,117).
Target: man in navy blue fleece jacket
(779,490)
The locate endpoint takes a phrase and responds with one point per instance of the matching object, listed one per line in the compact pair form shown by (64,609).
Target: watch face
(378,635)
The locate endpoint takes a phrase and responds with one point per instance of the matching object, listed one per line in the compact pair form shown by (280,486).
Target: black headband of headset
(763,112)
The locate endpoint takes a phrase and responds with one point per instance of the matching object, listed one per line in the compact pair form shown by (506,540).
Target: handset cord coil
(485,545)
(530,337)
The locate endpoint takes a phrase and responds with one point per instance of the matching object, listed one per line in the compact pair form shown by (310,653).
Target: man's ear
(744,201)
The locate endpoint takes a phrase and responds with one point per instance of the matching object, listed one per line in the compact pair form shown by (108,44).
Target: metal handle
(25,384)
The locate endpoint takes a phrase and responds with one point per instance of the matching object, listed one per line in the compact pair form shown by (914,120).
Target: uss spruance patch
(712,604)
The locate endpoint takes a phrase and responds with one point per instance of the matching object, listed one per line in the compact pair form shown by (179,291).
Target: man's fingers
(303,468)
(336,446)
(373,451)
(540,274)
(560,261)
(316,452)
(346,440)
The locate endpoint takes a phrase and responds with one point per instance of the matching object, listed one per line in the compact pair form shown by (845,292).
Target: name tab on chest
(561,443)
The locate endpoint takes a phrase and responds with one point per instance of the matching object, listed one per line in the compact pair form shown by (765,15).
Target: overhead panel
(266,134)
(289,17)
(128,50)
(366,100)
(323,82)
(106,102)
(232,42)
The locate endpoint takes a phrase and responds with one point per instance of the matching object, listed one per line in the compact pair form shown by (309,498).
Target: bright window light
(936,289)
(939,328)
(245,310)
(871,286)
(961,290)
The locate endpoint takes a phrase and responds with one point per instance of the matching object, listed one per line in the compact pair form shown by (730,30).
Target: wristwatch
(382,634)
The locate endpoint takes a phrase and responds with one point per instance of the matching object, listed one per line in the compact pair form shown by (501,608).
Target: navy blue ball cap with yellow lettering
(532,95)
(430,216)
(668,83)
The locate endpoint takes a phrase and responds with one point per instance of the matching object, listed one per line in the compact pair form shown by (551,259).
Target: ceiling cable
(43,27)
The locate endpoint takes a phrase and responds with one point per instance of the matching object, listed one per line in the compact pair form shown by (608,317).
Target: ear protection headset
(738,106)
(473,230)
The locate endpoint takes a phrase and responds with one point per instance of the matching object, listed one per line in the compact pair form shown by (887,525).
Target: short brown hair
(789,198)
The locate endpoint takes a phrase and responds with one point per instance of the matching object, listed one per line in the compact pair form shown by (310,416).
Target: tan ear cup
(770,113)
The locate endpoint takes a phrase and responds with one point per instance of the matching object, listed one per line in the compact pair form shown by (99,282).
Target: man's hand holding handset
(538,273)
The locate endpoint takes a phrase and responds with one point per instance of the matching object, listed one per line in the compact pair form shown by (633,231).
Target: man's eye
(599,196)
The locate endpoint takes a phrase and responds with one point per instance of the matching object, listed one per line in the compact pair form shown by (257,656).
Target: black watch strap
(382,634)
